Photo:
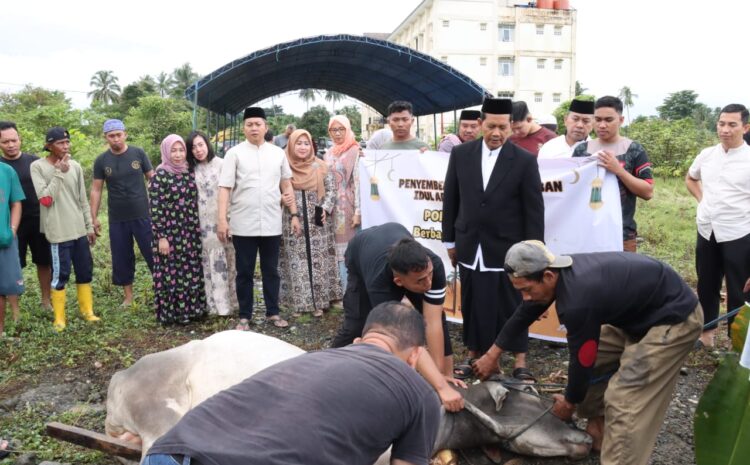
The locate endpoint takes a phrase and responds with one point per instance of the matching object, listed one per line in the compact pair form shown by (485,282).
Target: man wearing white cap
(123,167)
(631,321)
(578,125)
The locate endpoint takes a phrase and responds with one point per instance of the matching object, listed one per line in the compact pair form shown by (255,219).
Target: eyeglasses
(337,130)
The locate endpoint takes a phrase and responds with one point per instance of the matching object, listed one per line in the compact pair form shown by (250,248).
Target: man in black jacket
(492,199)
(631,321)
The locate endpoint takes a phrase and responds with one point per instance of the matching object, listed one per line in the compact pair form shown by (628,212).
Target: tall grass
(666,223)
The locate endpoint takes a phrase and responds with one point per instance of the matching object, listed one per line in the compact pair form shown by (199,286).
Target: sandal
(277,321)
(523,374)
(4,448)
(243,325)
(317,313)
(464,370)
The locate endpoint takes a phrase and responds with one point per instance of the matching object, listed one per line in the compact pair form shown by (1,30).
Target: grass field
(33,353)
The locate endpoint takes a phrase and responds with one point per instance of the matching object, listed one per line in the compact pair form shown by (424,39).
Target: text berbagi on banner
(581,202)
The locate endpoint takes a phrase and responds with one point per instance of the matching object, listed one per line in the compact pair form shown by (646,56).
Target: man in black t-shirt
(385,263)
(630,320)
(123,168)
(336,406)
(29,234)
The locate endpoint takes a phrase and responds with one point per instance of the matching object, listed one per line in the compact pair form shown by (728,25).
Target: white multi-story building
(513,50)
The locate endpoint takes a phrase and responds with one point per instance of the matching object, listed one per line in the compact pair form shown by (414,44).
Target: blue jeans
(164,459)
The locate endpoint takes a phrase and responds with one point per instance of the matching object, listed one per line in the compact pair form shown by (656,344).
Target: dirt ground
(674,445)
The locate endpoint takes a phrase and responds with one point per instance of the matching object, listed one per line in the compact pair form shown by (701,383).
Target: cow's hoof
(445,457)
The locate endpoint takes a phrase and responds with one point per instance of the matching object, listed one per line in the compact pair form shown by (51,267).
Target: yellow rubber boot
(86,302)
(58,307)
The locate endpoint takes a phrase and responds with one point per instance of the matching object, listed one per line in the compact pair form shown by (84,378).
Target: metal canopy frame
(375,72)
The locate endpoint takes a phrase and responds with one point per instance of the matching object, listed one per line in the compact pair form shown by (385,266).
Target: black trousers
(76,253)
(245,251)
(488,300)
(716,261)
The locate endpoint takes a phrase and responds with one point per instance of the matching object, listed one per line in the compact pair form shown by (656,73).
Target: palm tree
(164,84)
(333,97)
(183,77)
(308,95)
(627,97)
(106,90)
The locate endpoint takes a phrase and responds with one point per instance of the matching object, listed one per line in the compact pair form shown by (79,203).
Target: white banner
(581,203)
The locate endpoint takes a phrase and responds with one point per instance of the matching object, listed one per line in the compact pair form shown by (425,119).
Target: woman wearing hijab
(343,159)
(178,275)
(307,262)
(219,270)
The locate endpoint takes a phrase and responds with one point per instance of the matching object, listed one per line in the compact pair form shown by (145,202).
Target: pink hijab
(166,160)
(349,139)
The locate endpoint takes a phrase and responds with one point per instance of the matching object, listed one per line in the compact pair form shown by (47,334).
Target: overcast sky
(654,47)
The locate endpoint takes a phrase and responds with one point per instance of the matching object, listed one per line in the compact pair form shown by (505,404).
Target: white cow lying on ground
(147,399)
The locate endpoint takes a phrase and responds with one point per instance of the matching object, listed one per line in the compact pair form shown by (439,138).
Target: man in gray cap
(631,321)
(124,168)
(579,122)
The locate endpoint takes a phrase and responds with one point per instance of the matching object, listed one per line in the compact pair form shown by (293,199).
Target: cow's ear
(498,392)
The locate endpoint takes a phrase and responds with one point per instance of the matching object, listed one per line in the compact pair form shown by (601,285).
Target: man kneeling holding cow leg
(336,406)
(626,314)
(385,263)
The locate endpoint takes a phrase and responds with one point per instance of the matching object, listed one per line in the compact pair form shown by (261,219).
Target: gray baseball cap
(529,257)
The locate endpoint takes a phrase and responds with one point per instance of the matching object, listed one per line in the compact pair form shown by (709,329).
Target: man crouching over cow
(337,406)
(628,316)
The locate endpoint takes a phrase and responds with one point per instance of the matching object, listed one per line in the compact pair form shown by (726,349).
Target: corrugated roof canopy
(373,71)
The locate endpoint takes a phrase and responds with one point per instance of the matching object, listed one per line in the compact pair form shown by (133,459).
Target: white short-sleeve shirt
(725,180)
(254,173)
(558,148)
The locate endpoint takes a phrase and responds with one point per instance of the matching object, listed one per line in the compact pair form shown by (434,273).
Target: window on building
(558,30)
(506,32)
(538,97)
(555,98)
(482,26)
(446,23)
(505,66)
(540,29)
(444,59)
(505,94)
(482,61)
(540,63)
(558,64)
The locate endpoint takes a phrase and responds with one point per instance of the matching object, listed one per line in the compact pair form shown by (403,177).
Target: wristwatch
(294,215)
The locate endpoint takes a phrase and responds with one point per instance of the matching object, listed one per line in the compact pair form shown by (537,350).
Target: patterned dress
(307,264)
(219,272)
(178,277)
(346,175)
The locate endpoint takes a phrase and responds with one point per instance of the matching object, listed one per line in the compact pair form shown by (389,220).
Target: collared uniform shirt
(725,179)
(254,173)
(558,148)
(489,158)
